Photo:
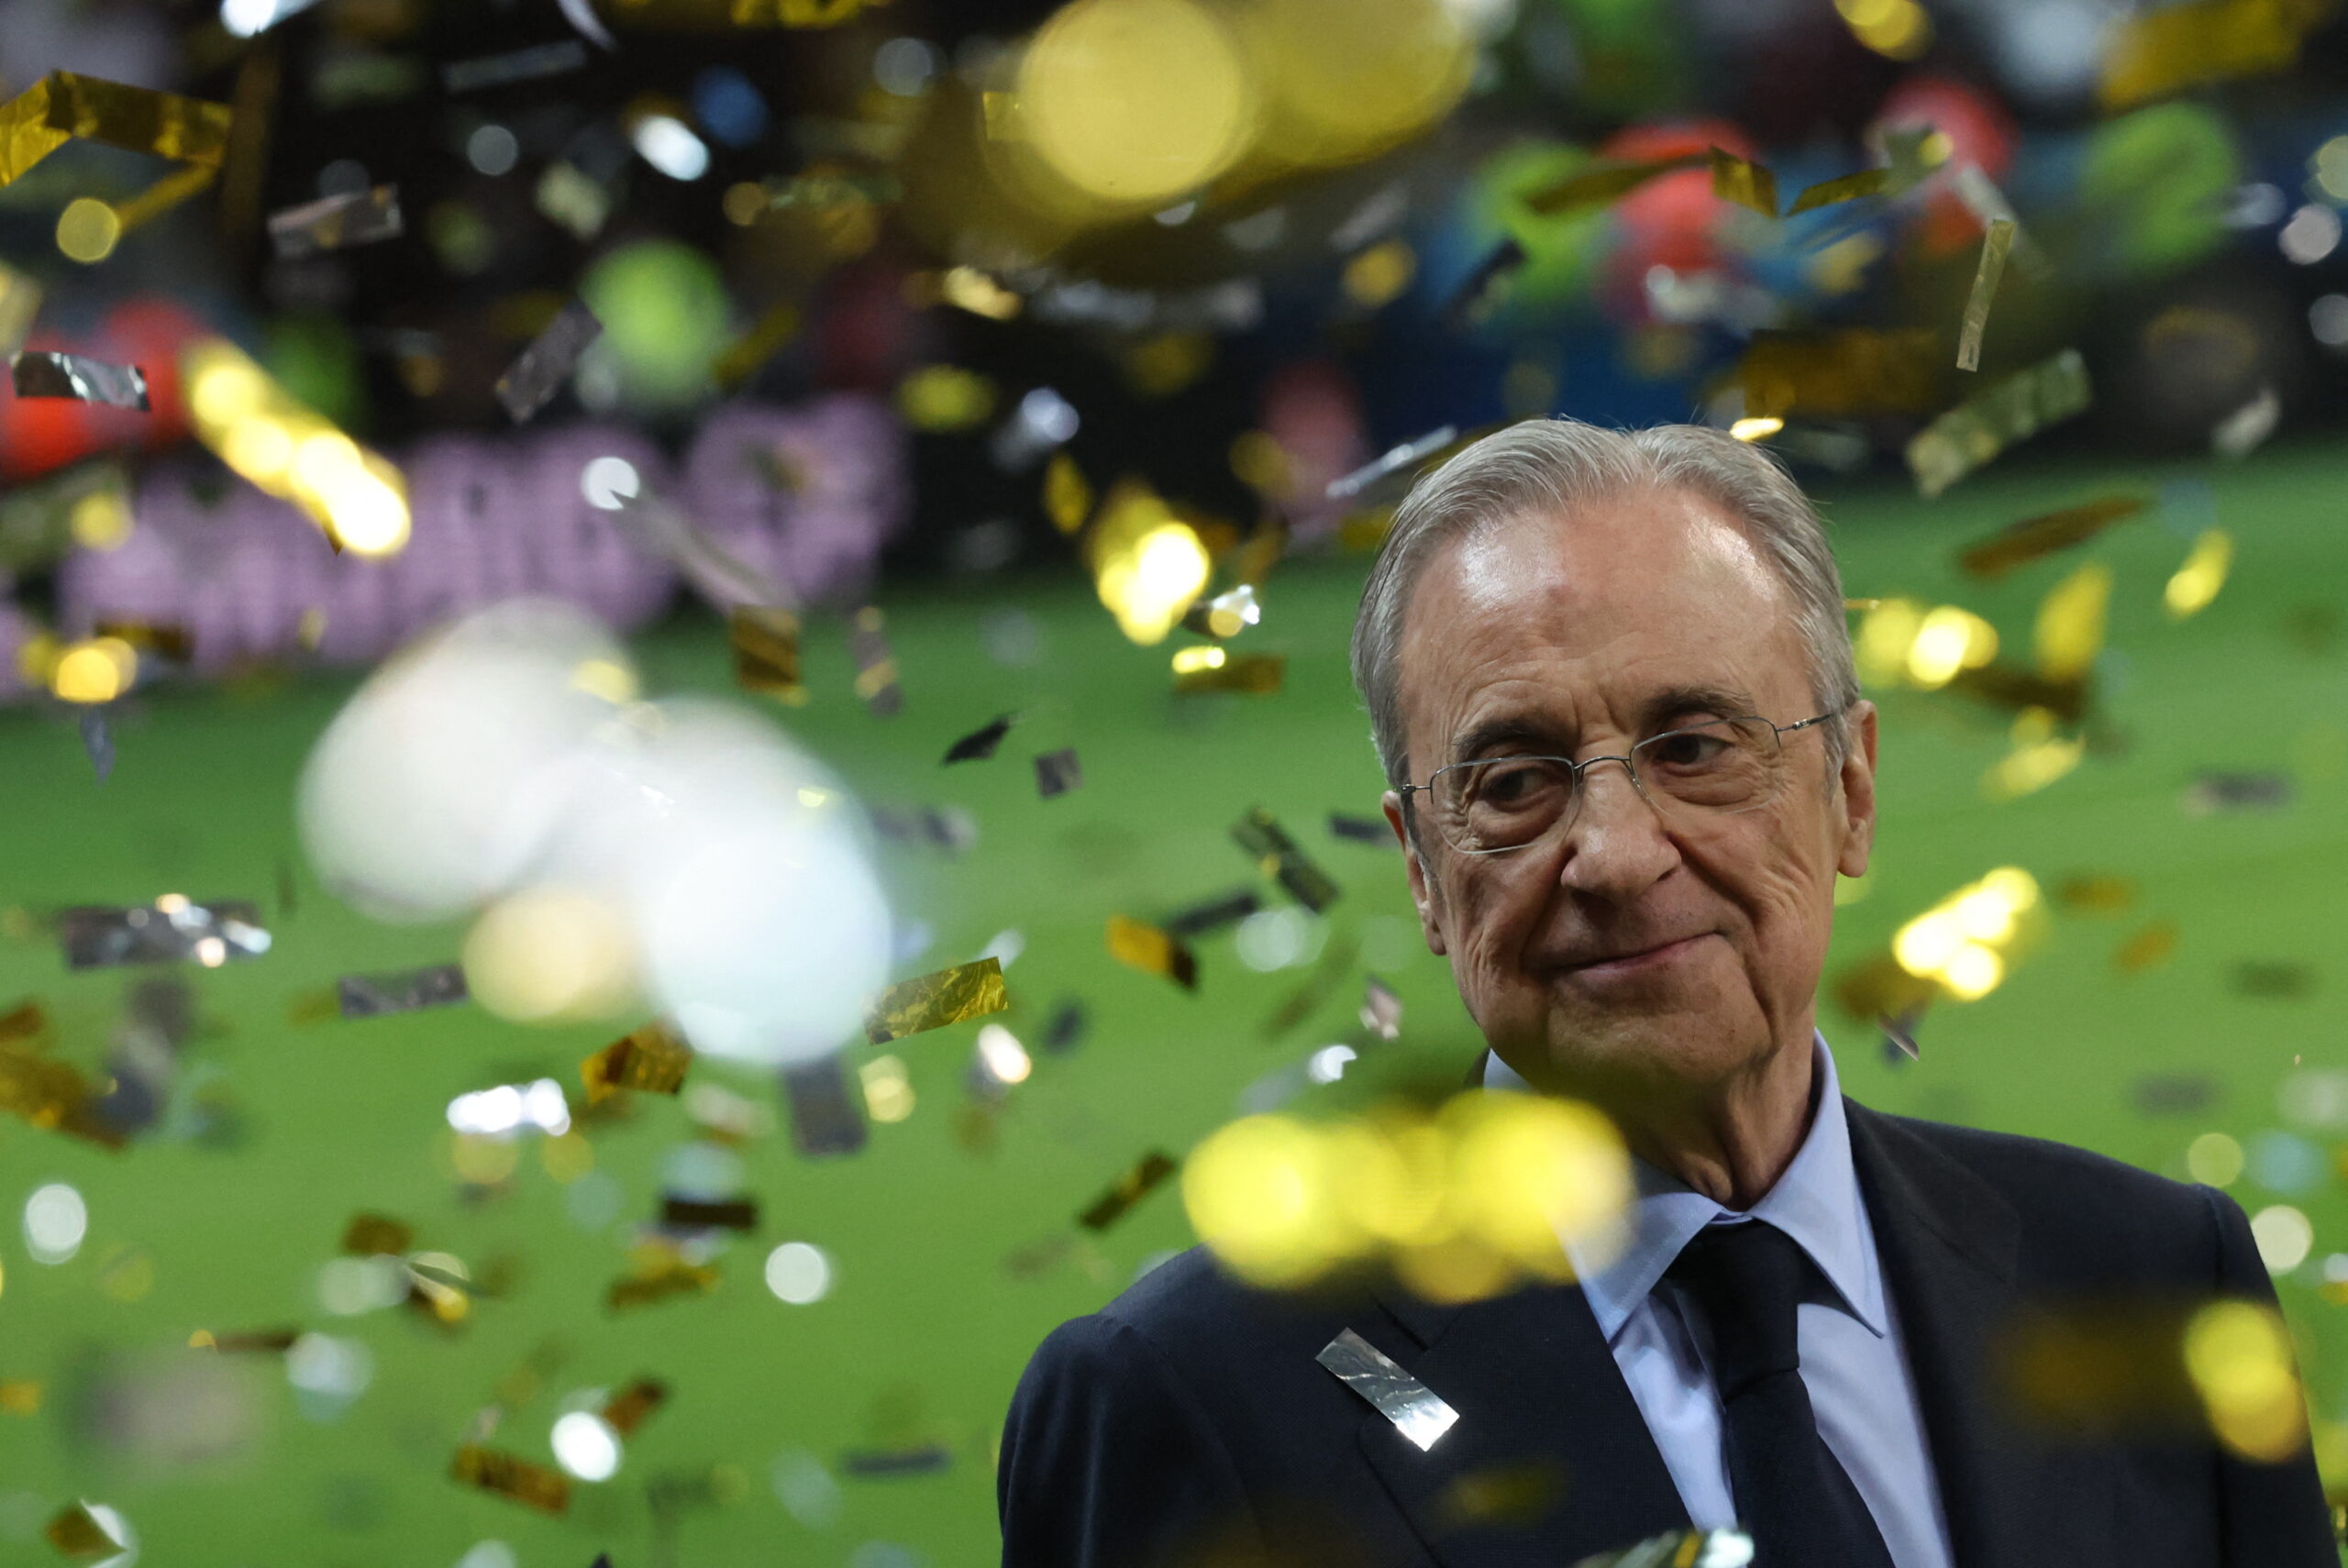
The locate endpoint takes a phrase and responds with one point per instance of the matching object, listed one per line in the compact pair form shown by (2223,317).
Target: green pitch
(925,1329)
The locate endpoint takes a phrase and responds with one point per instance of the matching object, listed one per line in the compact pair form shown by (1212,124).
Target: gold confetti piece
(657,1279)
(626,1411)
(1152,951)
(2044,535)
(941,398)
(2150,948)
(1995,243)
(1879,988)
(1601,183)
(261,1340)
(1746,183)
(1336,959)
(766,651)
(653,1058)
(2070,624)
(76,1533)
(1067,500)
(2091,892)
(1147,1175)
(161,196)
(935,1001)
(2280,980)
(65,105)
(2156,53)
(2243,431)
(509,1476)
(1855,370)
(53,1096)
(1515,1495)
(1214,669)
(20,1396)
(373,1235)
(26,1024)
(1844,188)
(1225,615)
(776,326)
(1985,423)
(876,664)
(1277,855)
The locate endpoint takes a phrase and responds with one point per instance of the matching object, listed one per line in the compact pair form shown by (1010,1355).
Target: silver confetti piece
(824,1119)
(1416,1410)
(514,65)
(1058,772)
(372,996)
(1361,478)
(172,929)
(337,223)
(97,739)
(531,382)
(47,373)
(1681,1549)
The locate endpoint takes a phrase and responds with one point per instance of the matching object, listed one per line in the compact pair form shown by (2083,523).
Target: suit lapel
(1550,1460)
(1949,1244)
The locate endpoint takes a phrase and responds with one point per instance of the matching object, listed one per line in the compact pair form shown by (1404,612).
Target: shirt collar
(1816,1202)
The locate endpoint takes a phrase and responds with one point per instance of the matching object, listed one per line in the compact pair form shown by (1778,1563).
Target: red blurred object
(1312,409)
(37,435)
(1980,131)
(1670,221)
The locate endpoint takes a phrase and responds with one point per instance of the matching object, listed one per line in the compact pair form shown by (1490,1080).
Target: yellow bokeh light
(1379,274)
(293,452)
(1757,427)
(887,1090)
(1147,565)
(2197,582)
(101,520)
(88,230)
(98,671)
(2215,1159)
(1136,102)
(1948,640)
(1258,1193)
(1973,971)
(1344,79)
(481,1159)
(1924,943)
(2071,622)
(2239,1356)
(1190,661)
(1885,635)
(551,954)
(1534,1173)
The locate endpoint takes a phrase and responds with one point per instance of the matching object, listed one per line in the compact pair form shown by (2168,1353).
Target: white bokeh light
(606,482)
(585,1445)
(670,145)
(412,805)
(799,1273)
(56,1222)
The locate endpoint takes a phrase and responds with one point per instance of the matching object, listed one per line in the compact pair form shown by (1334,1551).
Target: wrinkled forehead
(1601,604)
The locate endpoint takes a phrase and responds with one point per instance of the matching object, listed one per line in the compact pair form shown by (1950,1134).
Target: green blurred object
(2154,186)
(313,358)
(664,313)
(1561,253)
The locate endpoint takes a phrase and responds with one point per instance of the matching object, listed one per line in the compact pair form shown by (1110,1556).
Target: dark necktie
(1790,1492)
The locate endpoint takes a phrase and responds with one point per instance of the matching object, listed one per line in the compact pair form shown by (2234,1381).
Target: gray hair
(1544,465)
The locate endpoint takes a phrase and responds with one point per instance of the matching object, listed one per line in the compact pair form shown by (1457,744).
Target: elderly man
(1610,682)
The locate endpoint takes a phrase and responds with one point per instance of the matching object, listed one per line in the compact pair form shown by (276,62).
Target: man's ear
(1422,896)
(1858,793)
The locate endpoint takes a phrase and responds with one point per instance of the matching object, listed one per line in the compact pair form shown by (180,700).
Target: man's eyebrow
(1520,730)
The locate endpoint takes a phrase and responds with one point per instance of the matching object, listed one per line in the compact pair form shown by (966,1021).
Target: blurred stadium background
(970,360)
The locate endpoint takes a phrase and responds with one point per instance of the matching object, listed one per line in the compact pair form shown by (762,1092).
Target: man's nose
(1615,844)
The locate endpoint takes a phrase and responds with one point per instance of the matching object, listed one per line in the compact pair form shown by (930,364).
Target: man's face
(1570,627)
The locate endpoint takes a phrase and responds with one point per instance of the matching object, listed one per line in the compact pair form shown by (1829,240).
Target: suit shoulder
(2072,1197)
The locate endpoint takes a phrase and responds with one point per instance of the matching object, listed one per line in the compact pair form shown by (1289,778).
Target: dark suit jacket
(1187,1422)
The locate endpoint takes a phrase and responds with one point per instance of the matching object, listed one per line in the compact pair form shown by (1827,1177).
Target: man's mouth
(1637,962)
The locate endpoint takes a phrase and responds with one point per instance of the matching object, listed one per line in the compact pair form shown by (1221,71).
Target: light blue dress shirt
(1853,1360)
